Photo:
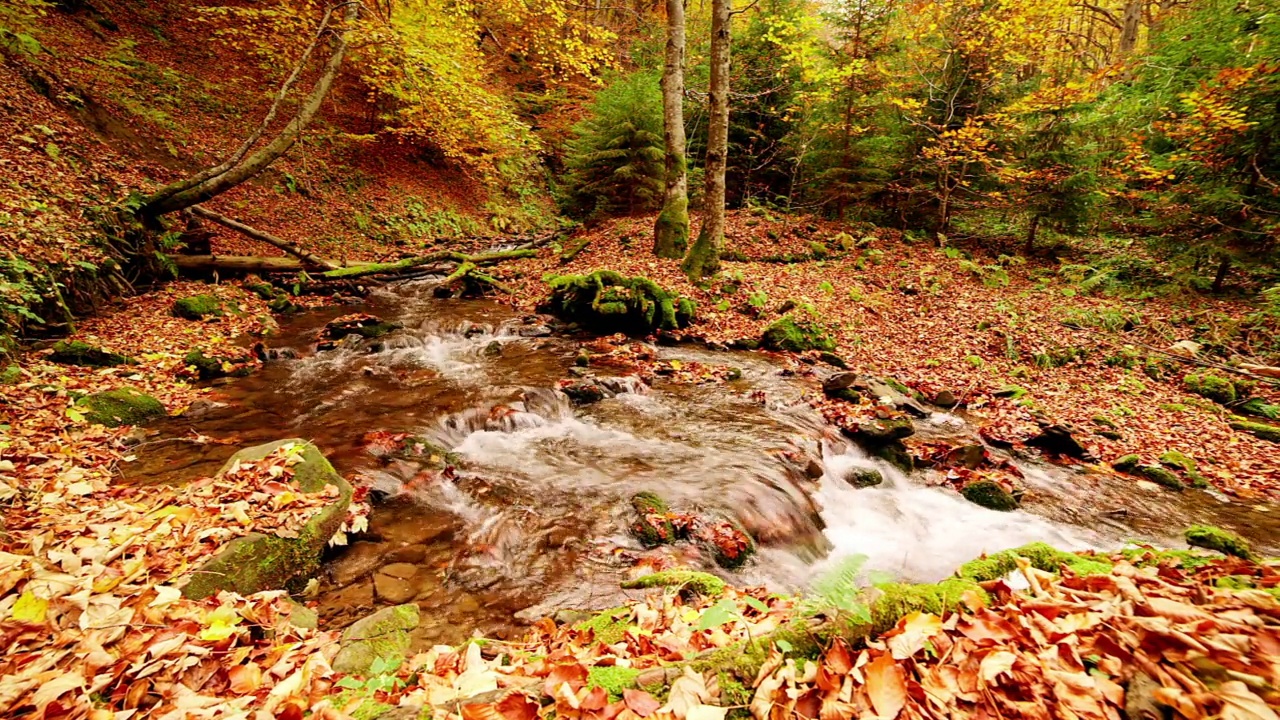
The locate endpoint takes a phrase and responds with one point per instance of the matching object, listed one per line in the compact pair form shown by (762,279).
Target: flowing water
(535,519)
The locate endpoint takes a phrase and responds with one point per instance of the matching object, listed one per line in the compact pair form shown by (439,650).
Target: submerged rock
(123,406)
(258,562)
(384,635)
(395,583)
(362,325)
(863,477)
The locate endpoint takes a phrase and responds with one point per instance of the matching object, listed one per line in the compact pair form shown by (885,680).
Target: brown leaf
(640,702)
(838,660)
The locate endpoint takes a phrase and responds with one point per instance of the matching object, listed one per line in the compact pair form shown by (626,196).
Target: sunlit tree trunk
(671,231)
(1130,23)
(704,256)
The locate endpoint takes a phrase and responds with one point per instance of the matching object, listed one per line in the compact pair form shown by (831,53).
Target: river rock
(853,386)
(882,431)
(360,559)
(1058,439)
(408,554)
(384,634)
(258,562)
(493,349)
(863,477)
(945,399)
(394,583)
(122,406)
(584,392)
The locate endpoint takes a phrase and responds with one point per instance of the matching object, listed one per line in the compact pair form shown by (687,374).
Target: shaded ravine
(534,519)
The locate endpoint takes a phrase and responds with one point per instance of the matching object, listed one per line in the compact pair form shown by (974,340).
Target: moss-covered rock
(366,326)
(787,334)
(198,307)
(882,431)
(77,352)
(1215,538)
(1179,461)
(1127,463)
(897,600)
(383,635)
(864,477)
(1257,429)
(122,406)
(1160,476)
(697,582)
(653,527)
(209,367)
(1213,387)
(258,562)
(608,302)
(1042,556)
(989,495)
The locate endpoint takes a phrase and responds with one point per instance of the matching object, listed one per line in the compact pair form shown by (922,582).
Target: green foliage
(615,159)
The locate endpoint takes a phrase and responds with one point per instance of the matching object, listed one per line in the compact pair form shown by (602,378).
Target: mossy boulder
(369,327)
(1215,538)
(653,527)
(384,635)
(864,477)
(989,495)
(1127,463)
(1042,556)
(882,431)
(77,352)
(1178,461)
(787,334)
(122,406)
(1257,429)
(258,562)
(198,307)
(1213,387)
(606,301)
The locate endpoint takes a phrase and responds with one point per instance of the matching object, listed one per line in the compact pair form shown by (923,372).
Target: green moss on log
(1215,538)
(77,352)
(989,495)
(787,334)
(1042,556)
(1257,429)
(198,307)
(122,406)
(1213,387)
(698,582)
(607,301)
(258,562)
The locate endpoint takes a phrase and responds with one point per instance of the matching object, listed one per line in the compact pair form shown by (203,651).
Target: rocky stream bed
(502,453)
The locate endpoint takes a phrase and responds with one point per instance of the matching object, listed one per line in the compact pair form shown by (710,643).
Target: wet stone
(408,554)
(393,589)
(400,570)
(359,560)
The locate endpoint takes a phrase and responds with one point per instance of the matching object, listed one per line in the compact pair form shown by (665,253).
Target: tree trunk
(1031,235)
(1221,277)
(671,231)
(183,194)
(704,257)
(236,263)
(1131,21)
(311,259)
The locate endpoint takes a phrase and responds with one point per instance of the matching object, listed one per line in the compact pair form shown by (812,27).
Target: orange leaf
(640,702)
(886,686)
(245,679)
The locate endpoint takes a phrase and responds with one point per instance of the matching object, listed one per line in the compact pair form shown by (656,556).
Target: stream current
(535,519)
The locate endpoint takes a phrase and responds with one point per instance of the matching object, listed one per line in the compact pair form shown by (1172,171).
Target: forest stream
(535,518)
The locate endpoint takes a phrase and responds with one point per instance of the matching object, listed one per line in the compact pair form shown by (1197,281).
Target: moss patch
(653,528)
(10,375)
(198,307)
(606,301)
(1213,387)
(609,626)
(989,495)
(699,582)
(258,562)
(382,635)
(671,230)
(1179,461)
(1190,560)
(1127,463)
(787,334)
(1042,556)
(613,678)
(1215,538)
(123,406)
(76,352)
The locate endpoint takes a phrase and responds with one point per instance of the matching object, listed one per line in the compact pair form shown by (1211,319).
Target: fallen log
(400,266)
(237,263)
(444,261)
(308,258)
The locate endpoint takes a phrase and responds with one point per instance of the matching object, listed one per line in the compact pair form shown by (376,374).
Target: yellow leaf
(29,608)
(220,624)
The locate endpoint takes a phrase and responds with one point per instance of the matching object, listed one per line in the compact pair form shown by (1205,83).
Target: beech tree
(671,230)
(704,256)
